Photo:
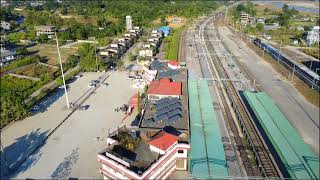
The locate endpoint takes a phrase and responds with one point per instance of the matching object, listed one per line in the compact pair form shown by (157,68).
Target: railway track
(263,158)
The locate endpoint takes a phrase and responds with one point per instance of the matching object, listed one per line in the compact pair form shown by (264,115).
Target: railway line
(236,109)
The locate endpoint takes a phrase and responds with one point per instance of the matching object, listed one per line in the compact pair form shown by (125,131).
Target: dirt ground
(36,70)
(172,24)
(176,24)
(49,52)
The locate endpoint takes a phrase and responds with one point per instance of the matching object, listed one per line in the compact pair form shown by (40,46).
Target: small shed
(165,30)
(174,65)
(295,42)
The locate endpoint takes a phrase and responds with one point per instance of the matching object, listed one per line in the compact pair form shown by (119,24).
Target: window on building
(180,151)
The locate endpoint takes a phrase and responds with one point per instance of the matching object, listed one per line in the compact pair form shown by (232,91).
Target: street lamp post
(95,52)
(64,82)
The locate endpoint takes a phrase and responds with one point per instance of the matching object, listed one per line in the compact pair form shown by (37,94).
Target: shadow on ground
(63,170)
(16,158)
(47,101)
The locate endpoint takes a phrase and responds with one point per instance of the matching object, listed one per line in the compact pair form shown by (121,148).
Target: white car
(62,86)
(92,85)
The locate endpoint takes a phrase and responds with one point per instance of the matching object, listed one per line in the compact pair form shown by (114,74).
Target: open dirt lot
(176,24)
(49,52)
(71,151)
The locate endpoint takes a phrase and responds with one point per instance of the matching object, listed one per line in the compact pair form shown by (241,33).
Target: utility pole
(95,52)
(64,82)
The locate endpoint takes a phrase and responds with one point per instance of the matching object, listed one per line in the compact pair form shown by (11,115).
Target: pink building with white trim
(171,156)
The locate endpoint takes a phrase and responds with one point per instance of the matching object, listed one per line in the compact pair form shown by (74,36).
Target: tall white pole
(95,52)
(64,83)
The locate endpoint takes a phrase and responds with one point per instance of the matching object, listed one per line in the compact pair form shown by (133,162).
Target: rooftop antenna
(64,82)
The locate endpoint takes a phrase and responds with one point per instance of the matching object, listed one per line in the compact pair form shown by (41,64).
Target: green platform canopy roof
(207,156)
(297,157)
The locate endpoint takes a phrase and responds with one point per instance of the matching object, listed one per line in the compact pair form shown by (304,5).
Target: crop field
(36,70)
(49,52)
(172,46)
(23,86)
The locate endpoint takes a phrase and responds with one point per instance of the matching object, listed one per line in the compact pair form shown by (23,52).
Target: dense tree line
(248,8)
(88,61)
(13,93)
(109,15)
(286,15)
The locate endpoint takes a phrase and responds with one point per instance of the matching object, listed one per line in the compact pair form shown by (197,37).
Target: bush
(12,108)
(21,62)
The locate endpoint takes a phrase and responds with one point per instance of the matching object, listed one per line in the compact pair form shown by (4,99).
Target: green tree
(47,77)
(22,50)
(12,107)
(260,27)
(163,21)
(59,81)
(285,8)
(88,59)
(131,57)
(284,19)
(64,11)
(43,38)
(250,9)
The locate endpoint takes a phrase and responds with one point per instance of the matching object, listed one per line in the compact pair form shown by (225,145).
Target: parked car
(78,75)
(35,108)
(92,85)
(62,86)
(105,84)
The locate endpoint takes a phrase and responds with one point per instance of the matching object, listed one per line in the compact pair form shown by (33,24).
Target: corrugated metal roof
(207,157)
(163,140)
(299,160)
(164,87)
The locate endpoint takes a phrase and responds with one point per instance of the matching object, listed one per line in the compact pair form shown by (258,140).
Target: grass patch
(49,52)
(23,86)
(36,70)
(46,91)
(314,52)
(20,62)
(172,46)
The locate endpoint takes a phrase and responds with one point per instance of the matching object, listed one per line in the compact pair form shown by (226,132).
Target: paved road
(20,138)
(303,115)
(71,152)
